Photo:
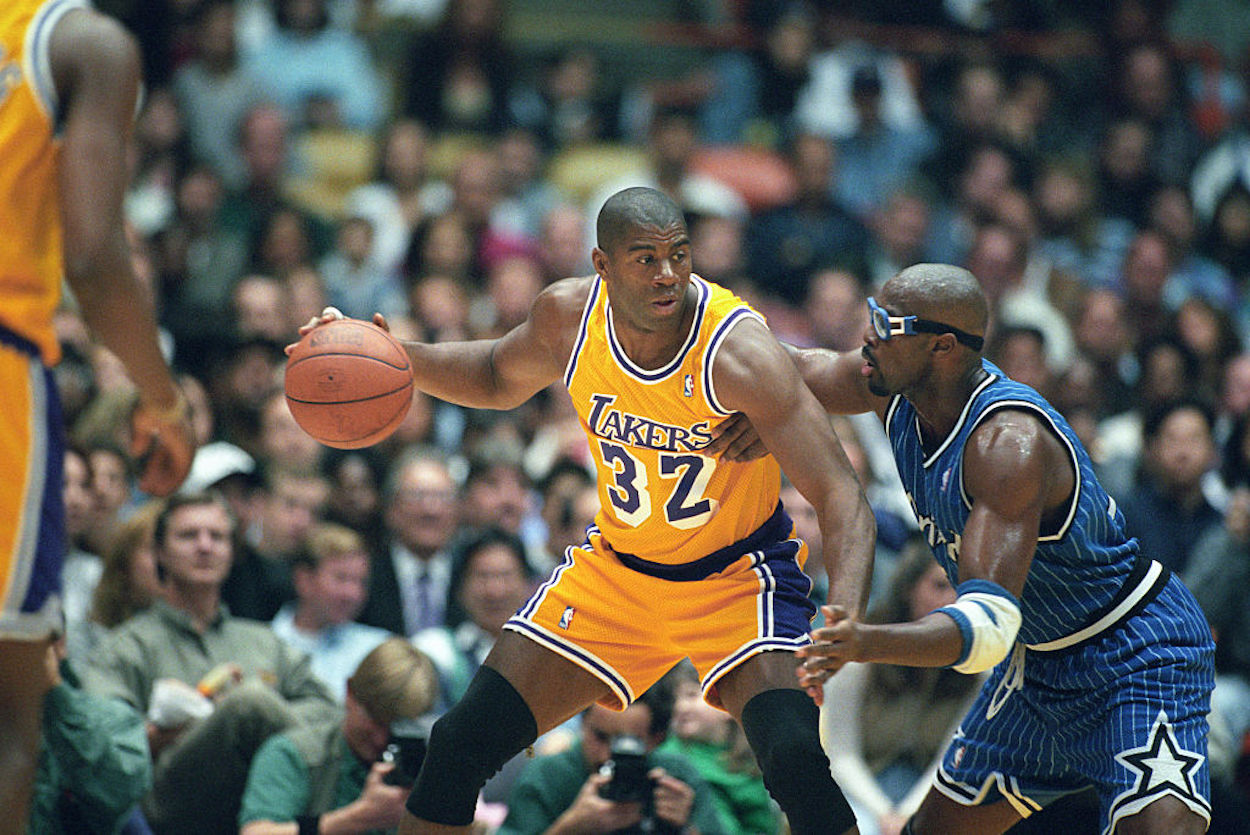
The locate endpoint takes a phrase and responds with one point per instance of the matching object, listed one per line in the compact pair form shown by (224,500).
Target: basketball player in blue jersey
(1102,662)
(689,556)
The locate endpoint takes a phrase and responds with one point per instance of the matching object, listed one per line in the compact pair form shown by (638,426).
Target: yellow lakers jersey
(660,499)
(30,212)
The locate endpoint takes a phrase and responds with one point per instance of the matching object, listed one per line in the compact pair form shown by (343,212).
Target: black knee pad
(467,745)
(783,729)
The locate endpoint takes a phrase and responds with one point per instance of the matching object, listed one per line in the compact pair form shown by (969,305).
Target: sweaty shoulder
(1013,454)
(748,362)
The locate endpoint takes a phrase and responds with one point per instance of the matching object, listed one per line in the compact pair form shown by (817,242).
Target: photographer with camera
(350,776)
(614,780)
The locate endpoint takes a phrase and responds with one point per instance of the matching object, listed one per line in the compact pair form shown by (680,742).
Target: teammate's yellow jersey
(662,500)
(30,212)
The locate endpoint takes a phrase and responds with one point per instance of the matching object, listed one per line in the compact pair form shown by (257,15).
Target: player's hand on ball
(331,314)
(162,442)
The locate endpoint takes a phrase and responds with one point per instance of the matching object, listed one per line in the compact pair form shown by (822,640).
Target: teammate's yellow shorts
(628,621)
(32,516)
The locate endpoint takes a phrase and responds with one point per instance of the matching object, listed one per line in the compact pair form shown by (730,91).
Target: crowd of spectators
(1090,163)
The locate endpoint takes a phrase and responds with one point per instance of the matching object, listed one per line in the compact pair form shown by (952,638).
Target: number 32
(686,506)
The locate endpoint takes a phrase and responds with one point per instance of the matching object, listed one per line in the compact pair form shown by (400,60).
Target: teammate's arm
(95,68)
(753,375)
(1013,470)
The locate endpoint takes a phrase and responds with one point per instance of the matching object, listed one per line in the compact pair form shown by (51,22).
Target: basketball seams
(304,402)
(297,360)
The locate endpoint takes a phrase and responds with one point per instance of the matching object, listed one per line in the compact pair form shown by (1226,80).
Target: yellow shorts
(613,616)
(32,516)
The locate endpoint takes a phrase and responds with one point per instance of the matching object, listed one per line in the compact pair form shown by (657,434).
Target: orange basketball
(348,383)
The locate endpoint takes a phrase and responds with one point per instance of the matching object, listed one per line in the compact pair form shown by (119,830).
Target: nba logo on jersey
(687,386)
(567,617)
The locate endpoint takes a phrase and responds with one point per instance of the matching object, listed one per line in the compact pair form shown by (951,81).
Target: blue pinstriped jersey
(1077,568)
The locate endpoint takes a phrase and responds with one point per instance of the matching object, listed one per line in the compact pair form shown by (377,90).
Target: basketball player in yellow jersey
(68,85)
(689,556)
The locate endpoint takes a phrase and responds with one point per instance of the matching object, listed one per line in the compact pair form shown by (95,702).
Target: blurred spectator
(303,57)
(900,233)
(355,499)
(1104,338)
(512,284)
(1125,181)
(671,142)
(1074,236)
(492,577)
(886,727)
(979,181)
(200,259)
(1208,332)
(876,158)
(93,763)
(80,572)
(562,244)
(458,74)
(1167,510)
(1222,169)
(570,501)
(1146,88)
(186,636)
(562,790)
(330,575)
(354,282)
(1193,274)
(999,260)
(291,506)
(719,750)
(571,102)
(128,581)
(786,244)
(161,156)
(1227,242)
(281,443)
(442,248)
(402,194)
(753,94)
(526,198)
(835,310)
(261,305)
(111,482)
(968,117)
(333,774)
(1143,277)
(408,581)
(1020,351)
(824,104)
(214,92)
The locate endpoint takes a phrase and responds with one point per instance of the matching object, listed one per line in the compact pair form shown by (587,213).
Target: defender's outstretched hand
(833,645)
(735,439)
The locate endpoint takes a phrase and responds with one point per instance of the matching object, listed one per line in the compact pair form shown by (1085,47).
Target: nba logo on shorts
(567,617)
(688,386)
(959,756)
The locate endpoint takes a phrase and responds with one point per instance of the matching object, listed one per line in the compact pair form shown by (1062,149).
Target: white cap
(214,462)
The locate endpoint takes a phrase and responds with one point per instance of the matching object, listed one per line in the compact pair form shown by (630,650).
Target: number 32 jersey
(660,499)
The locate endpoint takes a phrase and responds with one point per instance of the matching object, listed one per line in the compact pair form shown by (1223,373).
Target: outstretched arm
(95,68)
(1014,471)
(497,373)
(753,375)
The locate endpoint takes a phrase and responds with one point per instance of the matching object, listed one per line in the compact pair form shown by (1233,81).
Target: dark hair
(1155,417)
(660,697)
(463,561)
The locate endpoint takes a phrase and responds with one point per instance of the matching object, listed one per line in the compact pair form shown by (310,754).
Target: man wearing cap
(328,777)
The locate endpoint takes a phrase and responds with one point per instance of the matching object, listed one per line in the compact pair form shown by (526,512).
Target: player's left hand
(839,641)
(735,439)
(162,442)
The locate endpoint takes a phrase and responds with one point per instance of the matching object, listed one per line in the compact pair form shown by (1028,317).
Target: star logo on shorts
(1163,767)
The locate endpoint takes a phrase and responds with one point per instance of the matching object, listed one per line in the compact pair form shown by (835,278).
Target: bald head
(631,208)
(943,293)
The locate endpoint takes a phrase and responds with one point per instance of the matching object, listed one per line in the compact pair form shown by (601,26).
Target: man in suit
(409,580)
